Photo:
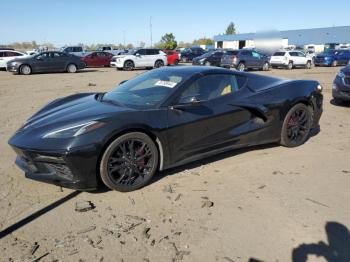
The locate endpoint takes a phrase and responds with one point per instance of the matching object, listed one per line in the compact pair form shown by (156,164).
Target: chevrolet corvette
(161,119)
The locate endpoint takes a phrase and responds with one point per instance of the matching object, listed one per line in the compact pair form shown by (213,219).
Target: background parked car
(110,50)
(51,61)
(96,59)
(7,55)
(341,86)
(332,57)
(173,57)
(141,58)
(211,58)
(290,59)
(188,54)
(74,50)
(245,59)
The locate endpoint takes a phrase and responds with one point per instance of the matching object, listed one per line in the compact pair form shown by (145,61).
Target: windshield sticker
(166,83)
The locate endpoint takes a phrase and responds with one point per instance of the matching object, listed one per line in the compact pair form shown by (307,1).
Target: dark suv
(188,54)
(245,59)
(212,58)
(341,86)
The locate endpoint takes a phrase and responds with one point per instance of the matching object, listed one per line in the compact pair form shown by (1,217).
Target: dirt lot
(268,202)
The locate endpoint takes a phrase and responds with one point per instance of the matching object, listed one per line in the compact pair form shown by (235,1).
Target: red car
(173,57)
(97,59)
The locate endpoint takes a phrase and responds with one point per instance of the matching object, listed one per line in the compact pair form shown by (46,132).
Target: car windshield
(279,54)
(330,51)
(147,90)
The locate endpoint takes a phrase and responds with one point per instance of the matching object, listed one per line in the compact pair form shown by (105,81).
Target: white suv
(7,55)
(290,59)
(145,57)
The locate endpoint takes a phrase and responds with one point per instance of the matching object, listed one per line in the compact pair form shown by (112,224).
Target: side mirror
(186,102)
(138,55)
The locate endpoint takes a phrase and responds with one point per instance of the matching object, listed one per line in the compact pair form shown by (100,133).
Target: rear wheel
(334,63)
(296,126)
(25,70)
(241,67)
(338,101)
(176,62)
(129,162)
(308,65)
(290,66)
(71,68)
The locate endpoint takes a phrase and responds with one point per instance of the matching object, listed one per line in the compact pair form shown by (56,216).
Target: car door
(202,117)
(216,58)
(246,56)
(42,63)
(302,58)
(257,60)
(140,58)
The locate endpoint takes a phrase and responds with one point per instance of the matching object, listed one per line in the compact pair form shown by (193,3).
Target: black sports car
(161,119)
(51,61)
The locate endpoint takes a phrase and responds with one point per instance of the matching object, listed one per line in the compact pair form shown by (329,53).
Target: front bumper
(322,62)
(74,169)
(340,89)
(113,64)
(12,68)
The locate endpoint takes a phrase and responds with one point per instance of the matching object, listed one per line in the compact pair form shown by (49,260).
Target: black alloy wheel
(158,64)
(296,126)
(129,162)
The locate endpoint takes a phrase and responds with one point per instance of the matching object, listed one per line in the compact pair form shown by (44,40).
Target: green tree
(231,29)
(203,41)
(168,41)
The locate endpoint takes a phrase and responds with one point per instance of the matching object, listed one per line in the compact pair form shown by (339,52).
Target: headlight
(75,130)
(341,74)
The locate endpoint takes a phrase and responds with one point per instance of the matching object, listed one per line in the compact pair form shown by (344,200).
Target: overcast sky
(77,21)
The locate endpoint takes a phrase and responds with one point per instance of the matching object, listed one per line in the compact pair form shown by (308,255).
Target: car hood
(72,109)
(346,70)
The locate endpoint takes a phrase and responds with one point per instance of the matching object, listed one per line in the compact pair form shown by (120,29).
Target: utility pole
(124,38)
(150,27)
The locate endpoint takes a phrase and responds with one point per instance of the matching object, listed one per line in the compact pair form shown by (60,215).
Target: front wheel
(129,162)
(71,68)
(129,66)
(25,70)
(176,62)
(290,66)
(241,67)
(296,126)
(334,63)
(266,67)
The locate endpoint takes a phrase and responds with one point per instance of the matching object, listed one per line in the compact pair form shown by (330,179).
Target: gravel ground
(262,204)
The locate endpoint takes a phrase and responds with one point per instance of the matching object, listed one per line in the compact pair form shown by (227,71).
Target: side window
(77,49)
(156,51)
(69,49)
(301,54)
(256,55)
(293,54)
(142,52)
(2,54)
(211,87)
(246,53)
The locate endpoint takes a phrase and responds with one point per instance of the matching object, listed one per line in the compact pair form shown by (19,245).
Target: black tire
(296,126)
(176,62)
(71,68)
(158,64)
(338,101)
(129,65)
(25,70)
(290,66)
(308,65)
(184,59)
(129,162)
(241,67)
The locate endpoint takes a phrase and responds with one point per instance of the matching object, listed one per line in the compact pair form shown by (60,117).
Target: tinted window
(279,54)
(170,53)
(231,52)
(141,52)
(12,54)
(77,49)
(1,54)
(247,53)
(211,87)
(255,54)
(301,54)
